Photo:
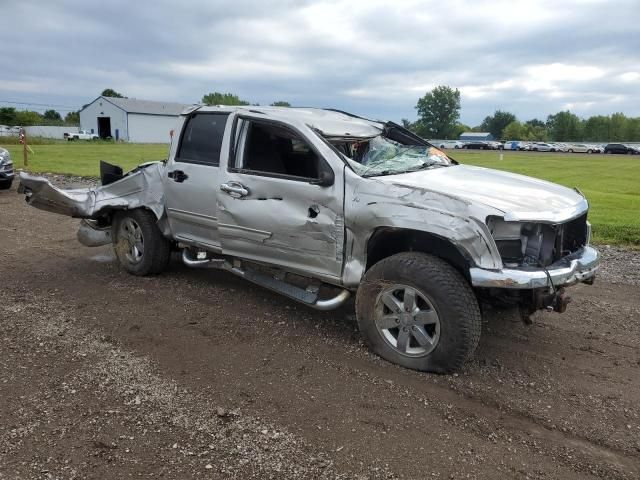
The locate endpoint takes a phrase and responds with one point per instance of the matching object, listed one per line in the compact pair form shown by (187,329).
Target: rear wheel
(139,244)
(416,310)
(6,185)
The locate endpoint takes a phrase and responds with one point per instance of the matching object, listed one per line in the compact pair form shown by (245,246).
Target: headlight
(523,243)
(538,244)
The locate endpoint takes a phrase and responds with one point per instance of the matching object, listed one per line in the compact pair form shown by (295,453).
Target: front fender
(373,204)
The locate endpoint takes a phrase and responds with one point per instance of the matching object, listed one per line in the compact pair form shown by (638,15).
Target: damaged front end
(539,261)
(140,188)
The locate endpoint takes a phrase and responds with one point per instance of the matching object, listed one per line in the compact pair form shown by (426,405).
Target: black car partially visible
(621,148)
(477,146)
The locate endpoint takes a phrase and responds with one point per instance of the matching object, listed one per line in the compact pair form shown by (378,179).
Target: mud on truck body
(320,205)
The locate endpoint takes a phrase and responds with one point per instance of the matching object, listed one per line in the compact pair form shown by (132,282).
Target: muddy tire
(138,243)
(5,185)
(417,311)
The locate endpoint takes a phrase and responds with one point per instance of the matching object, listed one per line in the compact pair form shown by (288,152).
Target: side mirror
(325,180)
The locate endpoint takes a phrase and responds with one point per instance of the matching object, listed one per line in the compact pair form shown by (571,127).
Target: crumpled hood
(518,196)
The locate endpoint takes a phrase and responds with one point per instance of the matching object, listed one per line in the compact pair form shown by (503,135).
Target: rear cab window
(201,140)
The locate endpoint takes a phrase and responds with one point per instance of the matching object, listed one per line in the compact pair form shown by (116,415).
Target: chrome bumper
(578,267)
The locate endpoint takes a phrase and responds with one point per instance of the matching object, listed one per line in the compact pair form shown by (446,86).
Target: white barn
(131,120)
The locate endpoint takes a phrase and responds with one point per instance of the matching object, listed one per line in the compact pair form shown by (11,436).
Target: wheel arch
(387,241)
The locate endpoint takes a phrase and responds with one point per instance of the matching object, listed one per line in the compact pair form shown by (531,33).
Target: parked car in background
(512,145)
(543,147)
(524,146)
(6,169)
(559,147)
(477,145)
(621,148)
(4,130)
(579,148)
(449,144)
(80,135)
(495,145)
(15,130)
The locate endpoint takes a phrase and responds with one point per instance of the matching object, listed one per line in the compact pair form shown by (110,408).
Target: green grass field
(83,158)
(611,183)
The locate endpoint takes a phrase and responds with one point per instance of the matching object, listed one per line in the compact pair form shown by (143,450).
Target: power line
(33,104)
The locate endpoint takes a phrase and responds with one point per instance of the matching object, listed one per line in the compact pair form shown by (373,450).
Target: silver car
(320,205)
(6,169)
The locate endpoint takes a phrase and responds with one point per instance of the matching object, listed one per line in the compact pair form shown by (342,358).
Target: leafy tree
(72,118)
(538,134)
(497,122)
(564,127)
(438,112)
(110,92)
(597,128)
(52,115)
(618,128)
(514,131)
(8,116)
(459,129)
(632,130)
(534,122)
(217,98)
(406,123)
(26,118)
(280,103)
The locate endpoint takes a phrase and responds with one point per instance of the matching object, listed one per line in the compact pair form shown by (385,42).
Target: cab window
(202,139)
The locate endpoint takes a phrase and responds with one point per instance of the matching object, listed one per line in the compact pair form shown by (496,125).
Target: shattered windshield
(382,156)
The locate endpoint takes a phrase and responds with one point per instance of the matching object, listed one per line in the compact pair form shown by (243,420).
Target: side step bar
(307,296)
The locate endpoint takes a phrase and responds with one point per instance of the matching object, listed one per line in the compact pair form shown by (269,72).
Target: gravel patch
(619,265)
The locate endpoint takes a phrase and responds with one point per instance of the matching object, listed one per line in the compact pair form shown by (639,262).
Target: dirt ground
(198,374)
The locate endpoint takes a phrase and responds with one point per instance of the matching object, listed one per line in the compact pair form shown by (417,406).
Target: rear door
(191,186)
(281,201)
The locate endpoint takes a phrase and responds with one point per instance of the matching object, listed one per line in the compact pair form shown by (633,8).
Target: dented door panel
(289,223)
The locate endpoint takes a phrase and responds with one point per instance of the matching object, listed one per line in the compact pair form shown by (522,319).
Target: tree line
(10,116)
(439,112)
(438,117)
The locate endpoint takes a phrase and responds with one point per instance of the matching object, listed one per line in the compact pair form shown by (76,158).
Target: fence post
(25,154)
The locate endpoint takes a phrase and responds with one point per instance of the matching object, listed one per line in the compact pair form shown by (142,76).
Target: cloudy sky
(375,58)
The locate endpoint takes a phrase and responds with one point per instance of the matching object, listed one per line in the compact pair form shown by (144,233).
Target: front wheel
(417,311)
(138,242)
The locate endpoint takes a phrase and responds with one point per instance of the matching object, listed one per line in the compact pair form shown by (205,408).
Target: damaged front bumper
(580,266)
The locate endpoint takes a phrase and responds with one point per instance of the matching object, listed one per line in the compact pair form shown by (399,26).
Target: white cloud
(532,57)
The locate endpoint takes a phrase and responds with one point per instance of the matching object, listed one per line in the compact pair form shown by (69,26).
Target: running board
(307,296)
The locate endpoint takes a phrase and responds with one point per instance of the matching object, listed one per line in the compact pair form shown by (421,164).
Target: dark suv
(620,148)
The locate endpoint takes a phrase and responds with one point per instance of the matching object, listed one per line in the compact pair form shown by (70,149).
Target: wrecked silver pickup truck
(320,204)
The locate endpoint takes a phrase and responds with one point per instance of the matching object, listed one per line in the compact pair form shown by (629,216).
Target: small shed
(130,119)
(476,136)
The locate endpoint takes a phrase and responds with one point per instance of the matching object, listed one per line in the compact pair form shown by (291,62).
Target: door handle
(178,176)
(235,189)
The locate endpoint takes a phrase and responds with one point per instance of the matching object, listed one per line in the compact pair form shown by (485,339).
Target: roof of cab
(330,122)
